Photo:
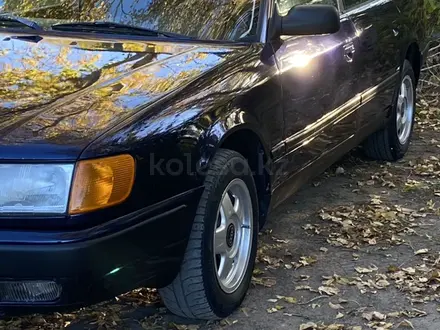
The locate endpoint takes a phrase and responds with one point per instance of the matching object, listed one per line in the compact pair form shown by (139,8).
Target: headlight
(35,188)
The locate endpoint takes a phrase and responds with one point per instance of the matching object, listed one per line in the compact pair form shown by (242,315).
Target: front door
(319,96)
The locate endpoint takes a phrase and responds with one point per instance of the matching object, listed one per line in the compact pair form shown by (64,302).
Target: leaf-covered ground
(357,248)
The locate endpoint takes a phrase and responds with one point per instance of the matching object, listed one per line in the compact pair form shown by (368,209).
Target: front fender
(222,129)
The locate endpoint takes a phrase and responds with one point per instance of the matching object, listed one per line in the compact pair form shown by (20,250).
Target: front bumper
(144,248)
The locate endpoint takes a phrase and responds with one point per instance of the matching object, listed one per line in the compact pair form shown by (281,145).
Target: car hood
(58,94)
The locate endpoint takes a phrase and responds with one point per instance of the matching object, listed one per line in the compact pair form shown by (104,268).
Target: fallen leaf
(275,309)
(383,283)
(374,316)
(308,326)
(290,300)
(306,261)
(303,287)
(372,241)
(421,251)
(283,241)
(335,306)
(185,327)
(409,270)
(267,282)
(245,311)
(342,240)
(362,270)
(331,291)
(392,269)
(415,313)
(334,327)
(394,314)
(405,324)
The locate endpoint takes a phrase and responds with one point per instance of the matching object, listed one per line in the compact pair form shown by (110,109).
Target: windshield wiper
(11,21)
(106,27)
(112,27)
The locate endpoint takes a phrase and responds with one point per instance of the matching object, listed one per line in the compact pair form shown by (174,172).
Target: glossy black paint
(171,104)
(318,109)
(377,59)
(105,260)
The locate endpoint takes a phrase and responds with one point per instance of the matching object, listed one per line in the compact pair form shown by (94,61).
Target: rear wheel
(218,262)
(392,142)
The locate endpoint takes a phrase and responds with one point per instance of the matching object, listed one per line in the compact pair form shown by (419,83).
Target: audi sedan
(143,143)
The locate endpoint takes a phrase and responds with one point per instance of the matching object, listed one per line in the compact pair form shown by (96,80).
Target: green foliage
(424,15)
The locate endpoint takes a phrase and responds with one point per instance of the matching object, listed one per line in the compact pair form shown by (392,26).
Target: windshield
(203,19)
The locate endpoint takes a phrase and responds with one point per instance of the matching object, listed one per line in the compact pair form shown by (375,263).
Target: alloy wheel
(405,110)
(233,236)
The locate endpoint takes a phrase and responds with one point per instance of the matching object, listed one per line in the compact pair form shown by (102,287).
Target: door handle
(349,51)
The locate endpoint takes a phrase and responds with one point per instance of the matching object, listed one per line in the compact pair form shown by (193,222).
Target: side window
(348,4)
(285,5)
(246,24)
(240,19)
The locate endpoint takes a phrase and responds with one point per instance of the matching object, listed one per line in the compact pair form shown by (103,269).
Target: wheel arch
(414,55)
(248,138)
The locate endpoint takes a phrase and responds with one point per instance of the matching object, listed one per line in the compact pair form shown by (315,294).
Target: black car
(143,143)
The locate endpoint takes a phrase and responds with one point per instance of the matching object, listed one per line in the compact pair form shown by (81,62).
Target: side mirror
(310,20)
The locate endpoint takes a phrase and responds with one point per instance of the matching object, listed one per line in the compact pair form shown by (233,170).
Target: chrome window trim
(361,7)
(265,16)
(340,5)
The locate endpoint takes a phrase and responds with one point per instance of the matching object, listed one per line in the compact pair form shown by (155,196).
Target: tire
(197,290)
(386,144)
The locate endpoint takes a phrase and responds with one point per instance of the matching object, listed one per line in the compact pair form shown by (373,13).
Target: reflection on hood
(65,91)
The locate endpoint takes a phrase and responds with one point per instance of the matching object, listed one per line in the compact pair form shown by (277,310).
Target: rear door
(319,98)
(376,58)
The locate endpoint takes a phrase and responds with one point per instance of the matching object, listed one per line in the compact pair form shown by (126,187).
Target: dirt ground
(357,248)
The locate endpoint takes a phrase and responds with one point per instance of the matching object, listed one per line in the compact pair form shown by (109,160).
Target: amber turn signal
(100,183)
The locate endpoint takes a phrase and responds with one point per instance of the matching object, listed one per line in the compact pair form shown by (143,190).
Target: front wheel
(219,260)
(392,142)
